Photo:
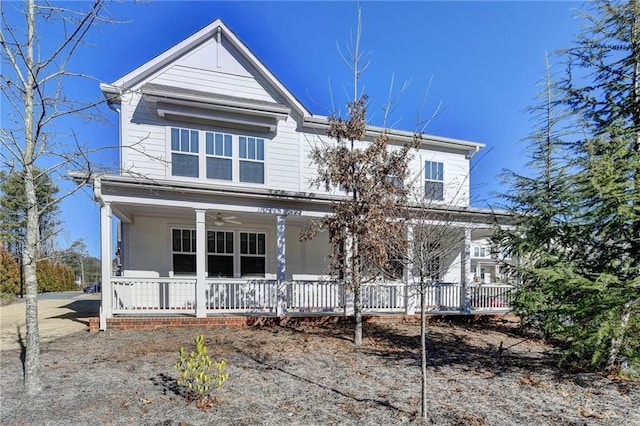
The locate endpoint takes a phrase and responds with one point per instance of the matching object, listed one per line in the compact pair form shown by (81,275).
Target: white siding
(306,257)
(143,140)
(217,69)
(283,158)
(147,245)
(456,175)
(456,170)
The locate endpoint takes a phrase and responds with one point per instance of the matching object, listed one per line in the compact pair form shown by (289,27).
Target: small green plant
(197,373)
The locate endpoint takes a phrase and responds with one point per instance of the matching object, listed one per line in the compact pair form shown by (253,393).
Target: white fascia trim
(202,188)
(322,122)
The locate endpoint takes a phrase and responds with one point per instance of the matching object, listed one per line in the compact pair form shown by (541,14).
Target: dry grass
(303,374)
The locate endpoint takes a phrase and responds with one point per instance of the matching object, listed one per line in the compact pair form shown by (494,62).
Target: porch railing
(242,295)
(491,297)
(153,295)
(178,295)
(384,297)
(314,296)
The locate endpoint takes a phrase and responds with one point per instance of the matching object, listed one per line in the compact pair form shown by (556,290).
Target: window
(252,254)
(251,153)
(184,152)
(184,251)
(220,254)
(479,251)
(219,154)
(434,180)
(234,158)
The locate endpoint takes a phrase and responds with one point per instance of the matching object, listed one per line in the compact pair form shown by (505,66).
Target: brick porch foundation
(152,323)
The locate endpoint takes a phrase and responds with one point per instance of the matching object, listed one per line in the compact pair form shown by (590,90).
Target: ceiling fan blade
(233,221)
(228,217)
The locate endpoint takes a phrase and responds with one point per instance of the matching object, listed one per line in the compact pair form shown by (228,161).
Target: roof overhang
(401,136)
(126,187)
(174,103)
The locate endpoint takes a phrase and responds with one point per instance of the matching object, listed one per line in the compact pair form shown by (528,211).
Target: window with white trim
(224,156)
(184,152)
(220,252)
(479,251)
(434,180)
(251,154)
(219,155)
(253,254)
(183,251)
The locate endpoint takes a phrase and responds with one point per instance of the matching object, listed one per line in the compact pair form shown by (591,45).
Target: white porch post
(465,273)
(106,306)
(281,303)
(201,252)
(410,293)
(349,309)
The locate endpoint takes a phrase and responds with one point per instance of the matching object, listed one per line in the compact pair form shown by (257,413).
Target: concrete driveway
(59,314)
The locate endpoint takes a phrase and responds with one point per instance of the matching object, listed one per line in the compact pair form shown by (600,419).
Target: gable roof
(135,78)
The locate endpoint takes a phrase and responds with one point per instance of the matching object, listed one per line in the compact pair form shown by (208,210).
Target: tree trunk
(32,376)
(356,284)
(618,338)
(423,348)
(357,309)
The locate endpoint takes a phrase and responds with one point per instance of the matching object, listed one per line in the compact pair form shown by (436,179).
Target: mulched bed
(312,375)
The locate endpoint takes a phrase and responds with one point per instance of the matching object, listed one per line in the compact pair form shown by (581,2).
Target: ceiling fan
(220,220)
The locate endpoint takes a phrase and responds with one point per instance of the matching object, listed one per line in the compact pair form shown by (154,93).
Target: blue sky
(484,61)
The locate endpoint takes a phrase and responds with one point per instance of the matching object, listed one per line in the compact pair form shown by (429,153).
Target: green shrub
(197,373)
(9,273)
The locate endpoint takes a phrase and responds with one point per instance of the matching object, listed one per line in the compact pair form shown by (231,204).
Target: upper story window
(219,153)
(184,152)
(434,180)
(251,159)
(480,252)
(225,156)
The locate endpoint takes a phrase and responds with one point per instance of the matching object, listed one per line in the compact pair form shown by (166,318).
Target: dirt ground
(312,375)
(67,313)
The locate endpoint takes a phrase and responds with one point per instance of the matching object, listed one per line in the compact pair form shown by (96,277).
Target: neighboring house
(214,189)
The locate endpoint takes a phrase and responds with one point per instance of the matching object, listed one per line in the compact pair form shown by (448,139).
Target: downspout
(97,191)
(473,153)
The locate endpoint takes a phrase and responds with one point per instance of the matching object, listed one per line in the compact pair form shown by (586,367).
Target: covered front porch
(203,252)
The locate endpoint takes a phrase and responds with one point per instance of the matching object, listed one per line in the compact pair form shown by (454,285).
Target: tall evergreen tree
(13,211)
(580,232)
(607,53)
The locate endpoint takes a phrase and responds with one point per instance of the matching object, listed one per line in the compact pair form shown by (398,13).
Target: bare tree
(436,237)
(367,220)
(33,84)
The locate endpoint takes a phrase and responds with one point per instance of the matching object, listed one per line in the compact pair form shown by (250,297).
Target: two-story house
(214,190)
